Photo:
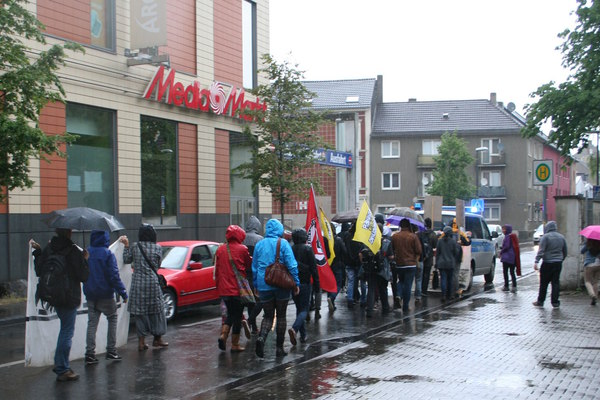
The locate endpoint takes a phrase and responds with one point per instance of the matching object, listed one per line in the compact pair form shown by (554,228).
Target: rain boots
(235,343)
(223,338)
(158,342)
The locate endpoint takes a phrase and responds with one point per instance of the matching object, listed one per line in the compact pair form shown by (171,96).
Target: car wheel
(170,303)
(489,277)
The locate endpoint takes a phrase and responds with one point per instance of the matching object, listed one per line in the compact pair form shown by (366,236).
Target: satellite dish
(511,106)
(425,180)
(483,182)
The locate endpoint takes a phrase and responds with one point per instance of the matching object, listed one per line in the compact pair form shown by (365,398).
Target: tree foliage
(572,107)
(28,81)
(449,177)
(286,135)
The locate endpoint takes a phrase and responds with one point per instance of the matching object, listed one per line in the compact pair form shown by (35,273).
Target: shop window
(90,159)
(390,149)
(243,202)
(249,53)
(159,172)
(102,23)
(390,181)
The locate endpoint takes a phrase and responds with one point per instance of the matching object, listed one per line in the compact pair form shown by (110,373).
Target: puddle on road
(557,365)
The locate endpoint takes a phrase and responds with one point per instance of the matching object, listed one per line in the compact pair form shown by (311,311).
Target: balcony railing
(491,191)
(425,161)
(495,161)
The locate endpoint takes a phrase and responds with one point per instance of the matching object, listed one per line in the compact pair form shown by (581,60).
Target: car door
(482,247)
(201,269)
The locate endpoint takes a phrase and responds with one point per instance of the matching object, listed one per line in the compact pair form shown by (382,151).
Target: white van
(482,250)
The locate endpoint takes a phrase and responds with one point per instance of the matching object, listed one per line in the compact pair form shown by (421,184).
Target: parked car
(188,268)
(537,235)
(497,236)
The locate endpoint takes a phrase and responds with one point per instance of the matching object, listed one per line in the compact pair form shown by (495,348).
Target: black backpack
(53,287)
(427,246)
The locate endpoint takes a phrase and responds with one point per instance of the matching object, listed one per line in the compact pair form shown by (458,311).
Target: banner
(367,231)
(42,326)
(148,23)
(329,234)
(315,240)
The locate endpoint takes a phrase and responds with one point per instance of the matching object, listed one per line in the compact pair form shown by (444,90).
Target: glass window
(90,159)
(390,149)
(430,147)
(492,212)
(426,179)
(491,178)
(102,27)
(159,172)
(390,181)
(493,149)
(249,44)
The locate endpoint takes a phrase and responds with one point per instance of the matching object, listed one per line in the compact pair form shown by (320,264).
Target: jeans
(274,301)
(67,318)
(339,276)
(506,267)
(446,277)
(353,280)
(418,280)
(96,308)
(427,264)
(302,301)
(406,276)
(550,273)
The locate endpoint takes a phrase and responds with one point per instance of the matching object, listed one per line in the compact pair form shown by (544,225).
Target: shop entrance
(242,208)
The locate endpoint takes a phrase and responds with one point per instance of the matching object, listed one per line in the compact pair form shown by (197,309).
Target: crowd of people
(405,261)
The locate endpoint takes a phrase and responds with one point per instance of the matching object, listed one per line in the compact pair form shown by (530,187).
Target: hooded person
(253,236)
(552,251)
(100,289)
(231,254)
(510,257)
(448,255)
(273,299)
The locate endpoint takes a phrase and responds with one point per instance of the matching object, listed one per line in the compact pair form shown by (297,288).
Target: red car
(188,268)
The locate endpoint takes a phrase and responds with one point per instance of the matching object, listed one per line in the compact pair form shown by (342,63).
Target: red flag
(315,240)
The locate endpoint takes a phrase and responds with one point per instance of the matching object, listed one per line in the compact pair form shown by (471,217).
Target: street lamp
(477,151)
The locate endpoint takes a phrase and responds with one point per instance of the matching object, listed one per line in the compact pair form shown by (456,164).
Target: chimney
(412,100)
(493,98)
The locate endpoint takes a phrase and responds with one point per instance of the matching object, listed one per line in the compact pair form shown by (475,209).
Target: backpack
(427,247)
(53,287)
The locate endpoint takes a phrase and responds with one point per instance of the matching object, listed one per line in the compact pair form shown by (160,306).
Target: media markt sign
(542,172)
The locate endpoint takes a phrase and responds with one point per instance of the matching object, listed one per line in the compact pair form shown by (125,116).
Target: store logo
(221,98)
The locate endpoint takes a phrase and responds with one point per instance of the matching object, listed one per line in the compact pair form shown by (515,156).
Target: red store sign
(221,98)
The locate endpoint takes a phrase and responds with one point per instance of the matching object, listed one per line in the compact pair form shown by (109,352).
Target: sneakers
(505,289)
(538,304)
(67,376)
(330,305)
(113,356)
(292,334)
(260,347)
(556,305)
(317,314)
(90,359)
(280,352)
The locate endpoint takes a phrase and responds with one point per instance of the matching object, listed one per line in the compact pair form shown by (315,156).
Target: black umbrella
(407,213)
(83,219)
(346,216)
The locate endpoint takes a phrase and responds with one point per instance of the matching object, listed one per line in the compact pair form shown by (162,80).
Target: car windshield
(173,257)
(540,229)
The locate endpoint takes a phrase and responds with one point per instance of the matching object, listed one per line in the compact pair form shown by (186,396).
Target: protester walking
(100,289)
(77,272)
(253,236)
(447,255)
(510,256)
(429,240)
(232,254)
(552,251)
(407,251)
(145,296)
(591,267)
(307,270)
(353,269)
(377,271)
(273,299)
(337,267)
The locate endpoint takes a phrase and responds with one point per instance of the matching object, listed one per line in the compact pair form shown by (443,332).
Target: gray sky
(428,50)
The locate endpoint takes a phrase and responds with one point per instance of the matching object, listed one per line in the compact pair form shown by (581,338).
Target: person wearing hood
(591,267)
(407,251)
(145,295)
(77,271)
(253,236)
(273,299)
(552,251)
(447,255)
(231,254)
(100,289)
(510,257)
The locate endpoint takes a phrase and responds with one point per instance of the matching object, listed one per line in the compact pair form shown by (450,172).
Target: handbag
(277,274)
(162,281)
(246,294)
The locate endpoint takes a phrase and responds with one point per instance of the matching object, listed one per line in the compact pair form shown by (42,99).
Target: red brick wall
(53,175)
(181,35)
(228,41)
(188,169)
(4,204)
(68,19)
(222,180)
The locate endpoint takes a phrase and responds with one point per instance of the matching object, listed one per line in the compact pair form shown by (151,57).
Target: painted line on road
(200,322)
(10,364)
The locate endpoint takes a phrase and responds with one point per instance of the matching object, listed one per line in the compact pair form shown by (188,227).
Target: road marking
(200,323)
(10,364)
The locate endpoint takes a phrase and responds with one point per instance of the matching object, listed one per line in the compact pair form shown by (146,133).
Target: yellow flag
(367,231)
(328,233)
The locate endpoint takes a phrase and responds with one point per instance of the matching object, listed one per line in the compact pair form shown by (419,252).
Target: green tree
(572,107)
(593,166)
(449,177)
(285,137)
(28,81)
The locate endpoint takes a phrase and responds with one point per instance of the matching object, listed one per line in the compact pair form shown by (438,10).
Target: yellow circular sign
(542,172)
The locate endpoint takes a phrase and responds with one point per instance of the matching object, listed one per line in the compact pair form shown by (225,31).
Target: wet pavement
(490,344)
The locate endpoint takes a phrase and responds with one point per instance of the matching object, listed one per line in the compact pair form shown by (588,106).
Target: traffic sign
(542,172)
